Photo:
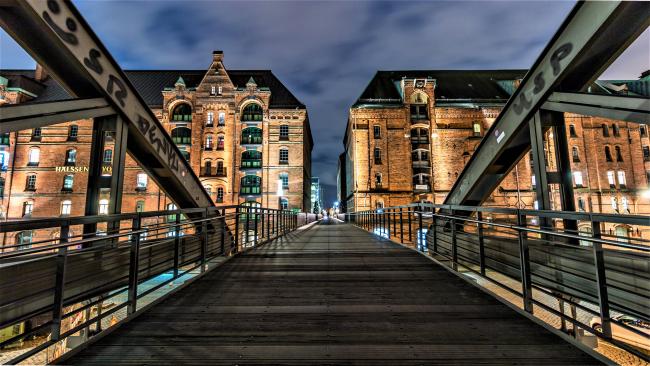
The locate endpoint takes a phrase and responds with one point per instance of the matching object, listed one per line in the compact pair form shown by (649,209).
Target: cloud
(327,51)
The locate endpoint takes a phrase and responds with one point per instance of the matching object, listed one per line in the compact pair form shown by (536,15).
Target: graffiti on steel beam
(67,29)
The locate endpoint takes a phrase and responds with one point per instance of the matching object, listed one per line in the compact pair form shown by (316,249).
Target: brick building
(410,134)
(244,133)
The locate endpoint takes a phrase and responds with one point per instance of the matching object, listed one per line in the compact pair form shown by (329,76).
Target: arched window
(476,129)
(103,207)
(221,171)
(605,130)
(30,182)
(252,113)
(28,208)
(207,168)
(68,182)
(24,239)
(251,136)
(182,113)
(222,118)
(284,132)
(419,107)
(108,156)
(619,156)
(379,204)
(572,131)
(419,136)
(617,132)
(141,182)
(182,136)
(284,203)
(34,156)
(576,154)
(73,132)
(608,154)
(219,194)
(208,189)
(70,157)
(284,156)
(220,142)
(251,159)
(251,184)
(66,207)
(377,155)
(208,142)
(210,121)
(378,180)
(419,98)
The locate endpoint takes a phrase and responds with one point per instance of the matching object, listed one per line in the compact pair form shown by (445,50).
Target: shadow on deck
(331,294)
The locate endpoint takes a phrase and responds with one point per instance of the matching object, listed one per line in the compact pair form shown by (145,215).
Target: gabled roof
(151,83)
(454,85)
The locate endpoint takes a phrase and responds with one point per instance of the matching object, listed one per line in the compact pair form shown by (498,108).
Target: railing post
(481,242)
(601,280)
(223,232)
(262,217)
(204,242)
(408,214)
(434,226)
(59,284)
(255,212)
(177,243)
(454,244)
(394,215)
(419,236)
(401,226)
(268,224)
(134,266)
(524,257)
(387,213)
(236,229)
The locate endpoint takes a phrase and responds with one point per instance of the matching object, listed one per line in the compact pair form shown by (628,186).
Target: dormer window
(213,90)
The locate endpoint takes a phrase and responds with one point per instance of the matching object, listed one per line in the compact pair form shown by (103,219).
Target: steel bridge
(457,283)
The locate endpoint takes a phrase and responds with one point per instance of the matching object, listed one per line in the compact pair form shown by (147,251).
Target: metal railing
(57,284)
(592,270)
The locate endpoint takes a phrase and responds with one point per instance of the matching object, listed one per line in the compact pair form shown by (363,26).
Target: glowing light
(434,135)
(646,193)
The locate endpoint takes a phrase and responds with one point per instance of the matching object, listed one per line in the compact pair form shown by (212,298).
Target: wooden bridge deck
(332,294)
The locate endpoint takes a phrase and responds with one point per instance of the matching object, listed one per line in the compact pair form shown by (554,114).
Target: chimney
(40,74)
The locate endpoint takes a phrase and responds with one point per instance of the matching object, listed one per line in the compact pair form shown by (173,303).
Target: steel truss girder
(620,108)
(18,117)
(590,39)
(57,37)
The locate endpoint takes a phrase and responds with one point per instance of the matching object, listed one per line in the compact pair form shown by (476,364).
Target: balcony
(250,185)
(209,171)
(252,113)
(251,159)
(421,187)
(251,136)
(421,164)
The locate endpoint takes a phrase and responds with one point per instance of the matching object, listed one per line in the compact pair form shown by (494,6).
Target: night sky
(327,51)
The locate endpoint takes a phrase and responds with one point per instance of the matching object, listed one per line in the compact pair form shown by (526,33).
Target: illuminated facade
(410,134)
(244,133)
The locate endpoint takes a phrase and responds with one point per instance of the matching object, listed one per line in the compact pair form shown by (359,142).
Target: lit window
(220,90)
(614,204)
(141,181)
(103,207)
(284,156)
(610,178)
(4,160)
(68,182)
(220,142)
(34,156)
(377,131)
(108,156)
(222,118)
(532,180)
(210,121)
(28,208)
(577,179)
(208,189)
(477,129)
(30,185)
(536,205)
(213,90)
(66,207)
(284,177)
(208,142)
(624,203)
(621,178)
(70,157)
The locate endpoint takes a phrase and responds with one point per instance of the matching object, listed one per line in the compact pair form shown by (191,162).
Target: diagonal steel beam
(590,39)
(57,37)
(18,117)
(621,108)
